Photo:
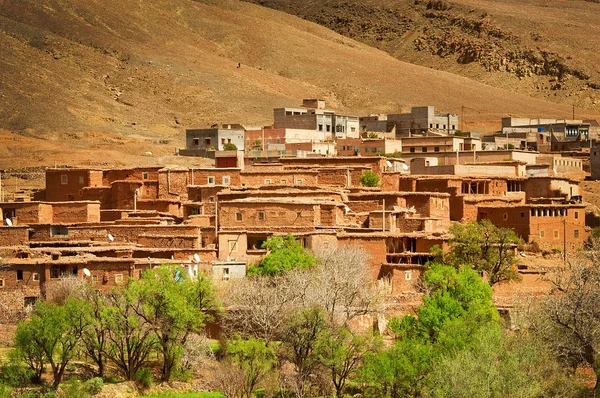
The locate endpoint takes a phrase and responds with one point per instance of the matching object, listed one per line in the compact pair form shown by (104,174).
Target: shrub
(16,374)
(369,178)
(230,147)
(94,386)
(74,389)
(5,391)
(144,378)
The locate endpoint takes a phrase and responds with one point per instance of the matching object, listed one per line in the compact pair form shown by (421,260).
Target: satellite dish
(523,254)
(9,222)
(389,164)
(196,258)
(554,170)
(87,272)
(110,237)
(404,166)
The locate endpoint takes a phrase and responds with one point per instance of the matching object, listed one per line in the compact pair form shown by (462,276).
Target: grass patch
(186,395)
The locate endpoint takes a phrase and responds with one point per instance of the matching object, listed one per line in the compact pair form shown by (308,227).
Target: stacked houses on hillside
(109,225)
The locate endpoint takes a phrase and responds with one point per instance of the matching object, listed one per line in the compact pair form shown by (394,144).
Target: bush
(16,375)
(144,378)
(369,178)
(510,146)
(5,391)
(75,389)
(229,147)
(94,386)
(556,250)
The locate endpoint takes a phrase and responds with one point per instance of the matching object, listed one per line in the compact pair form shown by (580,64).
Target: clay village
(392,185)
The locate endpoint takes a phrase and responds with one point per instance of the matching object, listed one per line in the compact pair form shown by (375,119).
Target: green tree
(130,338)
(94,337)
(341,353)
(173,306)
(230,146)
(299,346)
(373,135)
(254,358)
(285,254)
(456,305)
(56,331)
(398,371)
(500,365)
(484,247)
(369,178)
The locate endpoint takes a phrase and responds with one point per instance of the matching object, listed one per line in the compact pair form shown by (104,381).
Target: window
(436,149)
(541,234)
(207,141)
(81,180)
(268,181)
(36,276)
(238,217)
(94,278)
(320,127)
(211,199)
(229,140)
(522,214)
(505,216)
(118,278)
(226,180)
(233,246)
(54,272)
(299,181)
(211,180)
(453,127)
(408,275)
(64,179)
(328,127)
(353,129)
(430,125)
(283,182)
(145,176)
(555,234)
(576,233)
(444,126)
(1,282)
(29,301)
(196,141)
(424,149)
(412,149)
(261,215)
(19,274)
(437,126)
(222,141)
(576,215)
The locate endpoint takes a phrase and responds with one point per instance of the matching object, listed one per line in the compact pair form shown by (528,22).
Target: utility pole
(383,217)
(565,240)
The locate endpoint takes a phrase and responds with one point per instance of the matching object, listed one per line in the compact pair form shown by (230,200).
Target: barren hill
(543,48)
(103,82)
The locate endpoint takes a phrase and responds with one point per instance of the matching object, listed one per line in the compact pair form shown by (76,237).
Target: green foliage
(15,373)
(396,155)
(398,371)
(285,254)
(457,304)
(254,358)
(75,388)
(230,146)
(341,353)
(144,378)
(458,133)
(484,247)
(373,135)
(174,306)
(496,365)
(299,345)
(369,178)
(53,334)
(5,391)
(94,385)
(510,146)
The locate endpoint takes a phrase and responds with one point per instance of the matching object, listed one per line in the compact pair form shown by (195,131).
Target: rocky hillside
(538,47)
(116,82)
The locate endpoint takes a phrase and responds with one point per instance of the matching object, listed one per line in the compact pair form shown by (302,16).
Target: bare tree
(570,315)
(343,285)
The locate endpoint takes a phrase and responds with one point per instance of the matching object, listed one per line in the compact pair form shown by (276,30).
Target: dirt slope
(543,48)
(103,82)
